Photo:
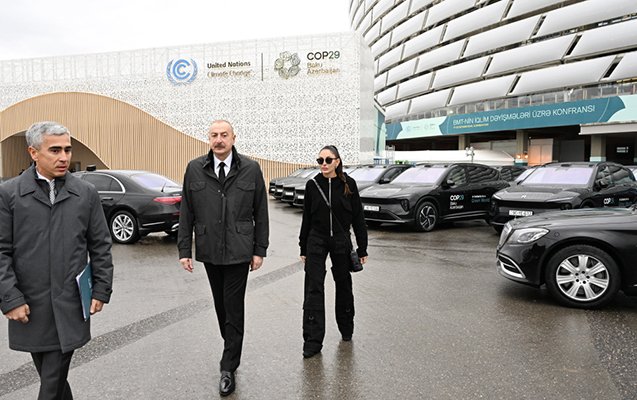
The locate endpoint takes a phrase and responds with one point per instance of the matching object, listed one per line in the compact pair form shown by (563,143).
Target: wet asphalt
(433,321)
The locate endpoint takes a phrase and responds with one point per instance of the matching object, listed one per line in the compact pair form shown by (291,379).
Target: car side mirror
(449,183)
(384,180)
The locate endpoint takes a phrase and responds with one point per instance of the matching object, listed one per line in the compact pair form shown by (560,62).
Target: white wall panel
(401,71)
(567,75)
(389,58)
(369,4)
(460,73)
(530,55)
(358,17)
(627,67)
(407,28)
(382,7)
(439,56)
(365,23)
(429,101)
(387,96)
(381,45)
(585,12)
(397,110)
(414,86)
(380,82)
(372,34)
(489,89)
(446,9)
(610,37)
(417,5)
(520,7)
(505,35)
(394,16)
(423,41)
(480,18)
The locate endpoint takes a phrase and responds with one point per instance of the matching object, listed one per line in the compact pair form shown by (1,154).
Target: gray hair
(36,132)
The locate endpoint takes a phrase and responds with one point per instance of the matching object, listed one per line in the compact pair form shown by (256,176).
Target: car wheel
(124,227)
(582,276)
(426,217)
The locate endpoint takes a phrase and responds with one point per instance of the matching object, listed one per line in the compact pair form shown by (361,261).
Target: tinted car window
(479,174)
(103,183)
(603,177)
(620,175)
(156,182)
(559,175)
(392,173)
(424,175)
(458,176)
(367,174)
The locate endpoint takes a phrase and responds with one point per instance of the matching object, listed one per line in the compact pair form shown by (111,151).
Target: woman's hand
(303,259)
(363,260)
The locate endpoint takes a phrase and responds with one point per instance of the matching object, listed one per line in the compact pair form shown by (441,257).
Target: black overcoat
(43,248)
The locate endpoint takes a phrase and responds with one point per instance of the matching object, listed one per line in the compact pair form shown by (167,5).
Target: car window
(620,175)
(559,175)
(506,174)
(367,174)
(156,182)
(422,175)
(457,175)
(103,183)
(392,173)
(603,177)
(479,174)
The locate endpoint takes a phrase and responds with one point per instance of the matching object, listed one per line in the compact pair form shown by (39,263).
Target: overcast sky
(41,28)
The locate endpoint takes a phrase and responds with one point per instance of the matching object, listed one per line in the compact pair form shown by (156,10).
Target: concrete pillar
(463,142)
(598,148)
(521,148)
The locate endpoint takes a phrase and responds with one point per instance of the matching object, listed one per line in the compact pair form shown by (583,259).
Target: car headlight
(527,235)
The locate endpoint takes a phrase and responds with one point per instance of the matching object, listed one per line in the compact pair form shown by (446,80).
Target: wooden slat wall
(121,135)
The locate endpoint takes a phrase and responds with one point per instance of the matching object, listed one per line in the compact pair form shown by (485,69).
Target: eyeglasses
(326,160)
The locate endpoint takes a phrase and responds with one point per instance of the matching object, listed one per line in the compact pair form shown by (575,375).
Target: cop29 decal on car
(181,71)
(287,65)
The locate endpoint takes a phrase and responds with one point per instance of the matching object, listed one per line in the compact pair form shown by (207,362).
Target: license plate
(520,213)
(371,208)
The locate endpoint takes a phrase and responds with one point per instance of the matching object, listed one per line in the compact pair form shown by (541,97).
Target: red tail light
(168,200)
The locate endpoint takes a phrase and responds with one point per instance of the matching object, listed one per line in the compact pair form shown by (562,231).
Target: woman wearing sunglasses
(323,232)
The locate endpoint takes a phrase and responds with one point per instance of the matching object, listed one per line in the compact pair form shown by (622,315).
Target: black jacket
(230,221)
(347,209)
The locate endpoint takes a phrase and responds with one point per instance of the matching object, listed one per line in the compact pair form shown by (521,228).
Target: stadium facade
(150,109)
(541,79)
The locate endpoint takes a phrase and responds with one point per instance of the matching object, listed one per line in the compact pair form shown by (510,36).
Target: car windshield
(367,174)
(524,174)
(572,176)
(156,182)
(424,175)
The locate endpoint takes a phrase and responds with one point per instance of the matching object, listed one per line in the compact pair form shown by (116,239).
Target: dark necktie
(222,172)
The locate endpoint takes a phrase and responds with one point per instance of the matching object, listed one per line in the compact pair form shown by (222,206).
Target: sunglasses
(327,160)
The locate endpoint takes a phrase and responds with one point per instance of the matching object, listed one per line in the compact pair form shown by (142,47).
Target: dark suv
(426,195)
(562,186)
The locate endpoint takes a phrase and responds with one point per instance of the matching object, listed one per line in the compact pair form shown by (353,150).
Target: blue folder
(85,286)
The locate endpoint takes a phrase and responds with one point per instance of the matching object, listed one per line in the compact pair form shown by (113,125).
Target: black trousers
(228,284)
(318,247)
(53,368)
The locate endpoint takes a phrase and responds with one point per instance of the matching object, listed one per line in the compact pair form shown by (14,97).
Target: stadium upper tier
(435,57)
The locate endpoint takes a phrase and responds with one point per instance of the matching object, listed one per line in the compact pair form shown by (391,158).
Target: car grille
(510,267)
(529,205)
(375,200)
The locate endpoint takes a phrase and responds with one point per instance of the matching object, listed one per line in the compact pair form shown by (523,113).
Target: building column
(464,141)
(1,174)
(598,148)
(521,148)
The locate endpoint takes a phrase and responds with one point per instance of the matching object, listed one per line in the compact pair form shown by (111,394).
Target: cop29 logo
(181,71)
(287,65)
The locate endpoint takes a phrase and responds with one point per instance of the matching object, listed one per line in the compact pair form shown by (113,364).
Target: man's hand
(20,313)
(186,263)
(96,306)
(256,263)
(363,260)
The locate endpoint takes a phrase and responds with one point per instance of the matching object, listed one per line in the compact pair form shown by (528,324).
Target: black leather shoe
(310,353)
(347,338)
(226,383)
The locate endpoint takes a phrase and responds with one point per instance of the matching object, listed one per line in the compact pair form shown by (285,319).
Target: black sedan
(426,195)
(562,186)
(136,202)
(583,256)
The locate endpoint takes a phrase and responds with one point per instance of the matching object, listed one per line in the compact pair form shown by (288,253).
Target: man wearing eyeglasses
(225,203)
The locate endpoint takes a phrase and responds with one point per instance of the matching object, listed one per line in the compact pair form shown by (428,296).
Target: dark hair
(339,169)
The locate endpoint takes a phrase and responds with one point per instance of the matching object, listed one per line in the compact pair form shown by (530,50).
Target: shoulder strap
(330,207)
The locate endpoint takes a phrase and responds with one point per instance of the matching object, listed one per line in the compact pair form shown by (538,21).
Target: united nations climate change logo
(181,71)
(287,65)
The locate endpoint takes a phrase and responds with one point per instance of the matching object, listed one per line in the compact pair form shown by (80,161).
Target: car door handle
(106,198)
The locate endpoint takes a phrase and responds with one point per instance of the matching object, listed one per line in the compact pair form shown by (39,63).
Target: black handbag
(355,264)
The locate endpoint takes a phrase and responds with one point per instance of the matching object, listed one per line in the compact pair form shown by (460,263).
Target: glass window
(620,175)
(480,174)
(156,182)
(422,175)
(103,183)
(457,175)
(367,174)
(392,173)
(559,175)
(603,177)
